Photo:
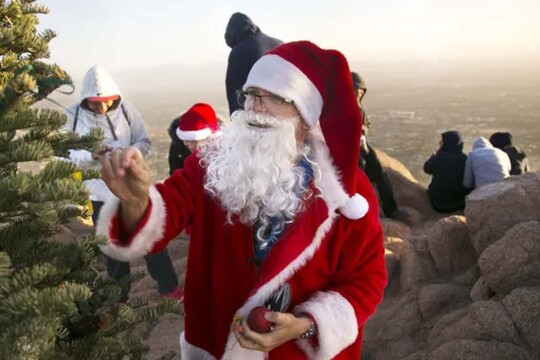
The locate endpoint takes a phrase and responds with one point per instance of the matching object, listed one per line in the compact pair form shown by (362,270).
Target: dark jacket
(518,159)
(447,165)
(248,43)
(178,152)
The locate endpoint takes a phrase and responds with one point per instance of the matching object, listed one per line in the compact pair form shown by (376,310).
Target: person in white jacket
(102,106)
(485,165)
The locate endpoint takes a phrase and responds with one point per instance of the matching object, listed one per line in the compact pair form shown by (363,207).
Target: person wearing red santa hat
(195,125)
(281,217)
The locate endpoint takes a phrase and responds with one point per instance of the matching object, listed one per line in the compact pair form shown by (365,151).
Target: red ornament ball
(256,320)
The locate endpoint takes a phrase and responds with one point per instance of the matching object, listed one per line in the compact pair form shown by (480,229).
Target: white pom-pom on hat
(356,207)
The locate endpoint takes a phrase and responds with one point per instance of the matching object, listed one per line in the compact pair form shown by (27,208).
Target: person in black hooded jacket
(369,161)
(248,43)
(447,165)
(518,159)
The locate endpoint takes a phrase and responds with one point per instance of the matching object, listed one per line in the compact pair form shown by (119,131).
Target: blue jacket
(248,43)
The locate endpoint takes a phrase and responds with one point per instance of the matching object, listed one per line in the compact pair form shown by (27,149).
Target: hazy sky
(128,34)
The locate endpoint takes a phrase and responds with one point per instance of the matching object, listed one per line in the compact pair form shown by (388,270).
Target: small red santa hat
(198,123)
(319,83)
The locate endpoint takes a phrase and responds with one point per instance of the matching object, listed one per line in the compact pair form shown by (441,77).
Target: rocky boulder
(407,191)
(468,286)
(450,245)
(493,209)
(417,267)
(481,290)
(435,300)
(514,260)
(479,350)
(482,321)
(523,305)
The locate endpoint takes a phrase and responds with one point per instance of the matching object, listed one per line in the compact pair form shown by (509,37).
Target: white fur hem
(336,323)
(191,352)
(146,238)
(195,135)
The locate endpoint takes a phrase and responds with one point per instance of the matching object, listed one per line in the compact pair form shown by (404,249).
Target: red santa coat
(334,265)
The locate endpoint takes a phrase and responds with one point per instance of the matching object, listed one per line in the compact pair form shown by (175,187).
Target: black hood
(358,82)
(172,129)
(452,141)
(239,28)
(501,140)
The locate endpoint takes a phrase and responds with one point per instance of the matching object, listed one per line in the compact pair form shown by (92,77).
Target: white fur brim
(336,324)
(196,135)
(147,237)
(278,76)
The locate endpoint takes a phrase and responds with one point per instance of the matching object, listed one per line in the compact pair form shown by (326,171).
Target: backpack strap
(128,121)
(76,118)
(125,114)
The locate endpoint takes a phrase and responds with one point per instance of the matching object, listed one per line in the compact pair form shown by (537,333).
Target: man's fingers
(255,338)
(276,317)
(242,340)
(116,158)
(107,172)
(139,171)
(130,155)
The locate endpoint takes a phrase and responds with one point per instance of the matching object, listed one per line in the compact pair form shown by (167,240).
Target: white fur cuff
(144,240)
(336,324)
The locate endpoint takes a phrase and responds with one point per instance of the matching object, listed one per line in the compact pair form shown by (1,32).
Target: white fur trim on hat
(356,207)
(278,76)
(195,135)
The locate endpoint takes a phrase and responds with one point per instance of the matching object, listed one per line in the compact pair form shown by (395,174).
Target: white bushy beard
(252,170)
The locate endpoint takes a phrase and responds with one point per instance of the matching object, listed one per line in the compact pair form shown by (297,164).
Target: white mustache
(259,120)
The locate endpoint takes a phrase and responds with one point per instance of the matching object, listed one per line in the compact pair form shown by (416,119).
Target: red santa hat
(198,123)
(319,83)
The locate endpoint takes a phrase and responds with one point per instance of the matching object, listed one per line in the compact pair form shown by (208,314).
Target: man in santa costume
(281,217)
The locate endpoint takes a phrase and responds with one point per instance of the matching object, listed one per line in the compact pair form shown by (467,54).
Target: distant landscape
(409,104)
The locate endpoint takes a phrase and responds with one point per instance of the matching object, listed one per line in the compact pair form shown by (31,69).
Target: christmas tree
(54,301)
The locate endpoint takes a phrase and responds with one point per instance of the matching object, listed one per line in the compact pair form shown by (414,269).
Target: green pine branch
(55,300)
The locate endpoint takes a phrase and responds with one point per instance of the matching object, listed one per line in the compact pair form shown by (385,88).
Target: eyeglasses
(243,96)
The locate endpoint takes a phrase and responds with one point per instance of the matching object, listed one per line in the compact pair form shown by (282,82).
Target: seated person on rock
(518,159)
(485,165)
(447,167)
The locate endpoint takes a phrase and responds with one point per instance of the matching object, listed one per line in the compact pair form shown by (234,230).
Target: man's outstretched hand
(127,175)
